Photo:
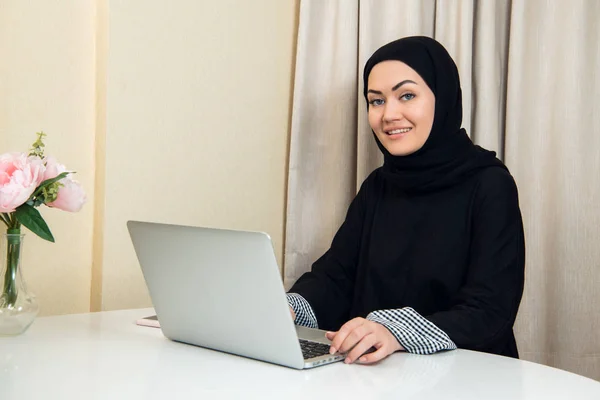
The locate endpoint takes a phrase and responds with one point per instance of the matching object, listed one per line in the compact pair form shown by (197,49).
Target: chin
(402,150)
(402,153)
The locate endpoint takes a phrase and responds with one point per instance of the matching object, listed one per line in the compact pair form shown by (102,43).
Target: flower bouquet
(28,181)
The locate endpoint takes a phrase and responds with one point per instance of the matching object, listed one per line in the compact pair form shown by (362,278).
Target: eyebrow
(396,87)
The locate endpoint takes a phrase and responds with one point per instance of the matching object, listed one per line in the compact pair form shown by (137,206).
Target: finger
(361,347)
(331,336)
(343,334)
(353,338)
(344,331)
(378,355)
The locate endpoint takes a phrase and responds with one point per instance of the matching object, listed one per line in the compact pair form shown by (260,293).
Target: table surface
(106,356)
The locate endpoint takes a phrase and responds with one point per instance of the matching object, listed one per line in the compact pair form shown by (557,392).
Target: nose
(392,111)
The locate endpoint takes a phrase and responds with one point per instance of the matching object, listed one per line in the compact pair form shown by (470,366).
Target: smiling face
(401,107)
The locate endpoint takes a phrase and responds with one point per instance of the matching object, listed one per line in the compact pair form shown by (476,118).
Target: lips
(397,131)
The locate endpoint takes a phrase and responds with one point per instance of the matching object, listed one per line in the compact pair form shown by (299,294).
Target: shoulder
(372,182)
(495,181)
(495,192)
(370,189)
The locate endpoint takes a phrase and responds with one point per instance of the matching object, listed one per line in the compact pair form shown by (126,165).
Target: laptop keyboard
(313,349)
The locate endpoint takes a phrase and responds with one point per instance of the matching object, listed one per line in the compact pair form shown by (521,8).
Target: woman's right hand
(293,314)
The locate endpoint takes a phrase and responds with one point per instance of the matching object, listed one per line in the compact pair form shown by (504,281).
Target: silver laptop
(221,289)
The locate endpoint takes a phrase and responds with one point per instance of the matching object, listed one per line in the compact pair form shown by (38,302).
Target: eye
(376,102)
(408,96)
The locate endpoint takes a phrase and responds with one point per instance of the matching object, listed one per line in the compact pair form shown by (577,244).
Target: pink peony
(53,168)
(20,175)
(70,196)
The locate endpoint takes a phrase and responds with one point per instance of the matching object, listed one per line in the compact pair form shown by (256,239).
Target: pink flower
(20,175)
(70,197)
(53,168)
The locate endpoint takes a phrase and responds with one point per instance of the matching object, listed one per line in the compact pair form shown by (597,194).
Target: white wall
(198,99)
(47,83)
(168,111)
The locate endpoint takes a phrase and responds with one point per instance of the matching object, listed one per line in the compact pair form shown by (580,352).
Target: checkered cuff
(415,333)
(305,315)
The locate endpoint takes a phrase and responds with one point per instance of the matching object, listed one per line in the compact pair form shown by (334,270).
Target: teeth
(396,131)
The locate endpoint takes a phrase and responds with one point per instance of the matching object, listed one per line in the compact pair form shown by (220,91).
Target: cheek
(374,120)
(423,117)
(429,113)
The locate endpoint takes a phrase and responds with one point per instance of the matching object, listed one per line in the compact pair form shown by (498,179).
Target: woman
(431,254)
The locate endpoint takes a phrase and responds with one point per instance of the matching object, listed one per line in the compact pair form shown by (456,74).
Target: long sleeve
(414,332)
(305,315)
(329,286)
(484,309)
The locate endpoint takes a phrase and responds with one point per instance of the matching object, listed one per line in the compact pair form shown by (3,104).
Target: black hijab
(448,156)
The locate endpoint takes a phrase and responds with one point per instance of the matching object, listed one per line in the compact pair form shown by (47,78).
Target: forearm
(414,332)
(305,315)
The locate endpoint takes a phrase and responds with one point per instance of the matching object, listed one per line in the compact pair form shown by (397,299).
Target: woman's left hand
(358,335)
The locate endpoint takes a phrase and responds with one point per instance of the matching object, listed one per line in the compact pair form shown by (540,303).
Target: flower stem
(5,218)
(13,252)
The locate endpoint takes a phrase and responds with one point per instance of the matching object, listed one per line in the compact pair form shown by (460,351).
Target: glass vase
(18,306)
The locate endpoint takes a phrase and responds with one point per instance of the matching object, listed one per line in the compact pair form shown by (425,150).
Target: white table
(106,356)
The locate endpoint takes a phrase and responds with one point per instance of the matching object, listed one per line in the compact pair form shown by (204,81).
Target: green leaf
(32,220)
(48,182)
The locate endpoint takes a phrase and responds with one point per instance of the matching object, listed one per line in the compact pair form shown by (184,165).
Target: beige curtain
(530,74)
